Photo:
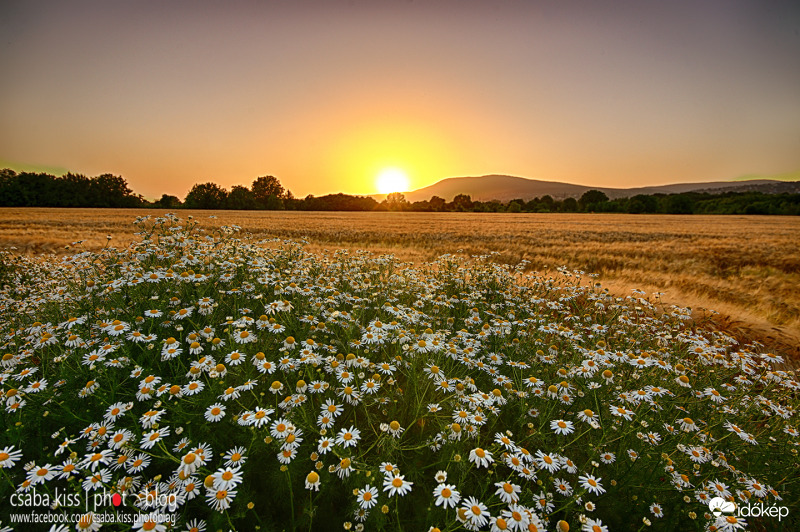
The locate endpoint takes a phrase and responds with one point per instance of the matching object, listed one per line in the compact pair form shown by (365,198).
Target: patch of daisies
(227,373)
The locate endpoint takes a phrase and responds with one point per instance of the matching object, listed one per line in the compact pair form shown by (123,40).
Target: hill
(506,187)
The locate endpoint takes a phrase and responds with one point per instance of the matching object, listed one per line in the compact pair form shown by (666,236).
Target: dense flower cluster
(255,384)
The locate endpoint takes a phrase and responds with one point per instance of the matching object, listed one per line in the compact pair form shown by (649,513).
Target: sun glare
(391,180)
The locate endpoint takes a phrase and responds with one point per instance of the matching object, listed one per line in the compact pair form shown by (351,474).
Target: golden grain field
(745,267)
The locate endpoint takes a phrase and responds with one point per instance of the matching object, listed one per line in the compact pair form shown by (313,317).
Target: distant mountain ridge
(505,188)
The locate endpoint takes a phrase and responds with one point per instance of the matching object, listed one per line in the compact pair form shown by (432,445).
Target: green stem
(291,498)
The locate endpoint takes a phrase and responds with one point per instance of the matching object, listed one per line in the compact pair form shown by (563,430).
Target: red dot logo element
(116,500)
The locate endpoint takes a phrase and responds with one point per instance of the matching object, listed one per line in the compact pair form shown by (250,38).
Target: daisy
(68,468)
(591,483)
(324,445)
(235,457)
(137,463)
(505,442)
(96,481)
(520,518)
(195,525)
(588,416)
(189,464)
(349,394)
(367,497)
(344,468)
(508,492)
(87,523)
(370,386)
(92,460)
(318,386)
(151,438)
(228,478)
(280,428)
(193,388)
(348,437)
(312,481)
(220,500)
(544,501)
(396,484)
(551,462)
(330,408)
(622,412)
(36,386)
(559,426)
(562,487)
(389,469)
(395,429)
(261,416)
(607,458)
(293,440)
(656,510)
(446,496)
(215,412)
(480,457)
(729,523)
(244,337)
(9,456)
(720,489)
(688,424)
(476,513)
(39,475)
(594,525)
(116,410)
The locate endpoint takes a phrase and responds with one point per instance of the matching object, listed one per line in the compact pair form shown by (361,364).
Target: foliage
(267,193)
(206,196)
(71,190)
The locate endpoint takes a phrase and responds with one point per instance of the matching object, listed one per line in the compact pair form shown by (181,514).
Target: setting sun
(391,180)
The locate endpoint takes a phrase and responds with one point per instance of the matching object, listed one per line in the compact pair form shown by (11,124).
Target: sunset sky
(326,95)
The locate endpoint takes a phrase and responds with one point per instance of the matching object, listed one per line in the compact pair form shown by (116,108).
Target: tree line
(267,193)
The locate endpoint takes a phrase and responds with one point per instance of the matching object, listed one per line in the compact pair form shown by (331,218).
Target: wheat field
(746,268)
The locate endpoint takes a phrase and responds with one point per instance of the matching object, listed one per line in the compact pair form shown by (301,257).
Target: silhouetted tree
(206,196)
(591,199)
(679,204)
(268,192)
(642,203)
(241,198)
(436,203)
(396,201)
(569,205)
(109,190)
(462,202)
(168,202)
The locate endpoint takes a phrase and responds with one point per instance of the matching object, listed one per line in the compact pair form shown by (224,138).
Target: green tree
(241,198)
(206,196)
(591,199)
(569,205)
(436,203)
(396,201)
(109,190)
(462,202)
(268,192)
(168,202)
(679,204)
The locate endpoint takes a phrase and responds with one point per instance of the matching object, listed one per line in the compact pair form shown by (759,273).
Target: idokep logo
(720,506)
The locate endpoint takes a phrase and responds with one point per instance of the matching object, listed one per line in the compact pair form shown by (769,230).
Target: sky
(326,95)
